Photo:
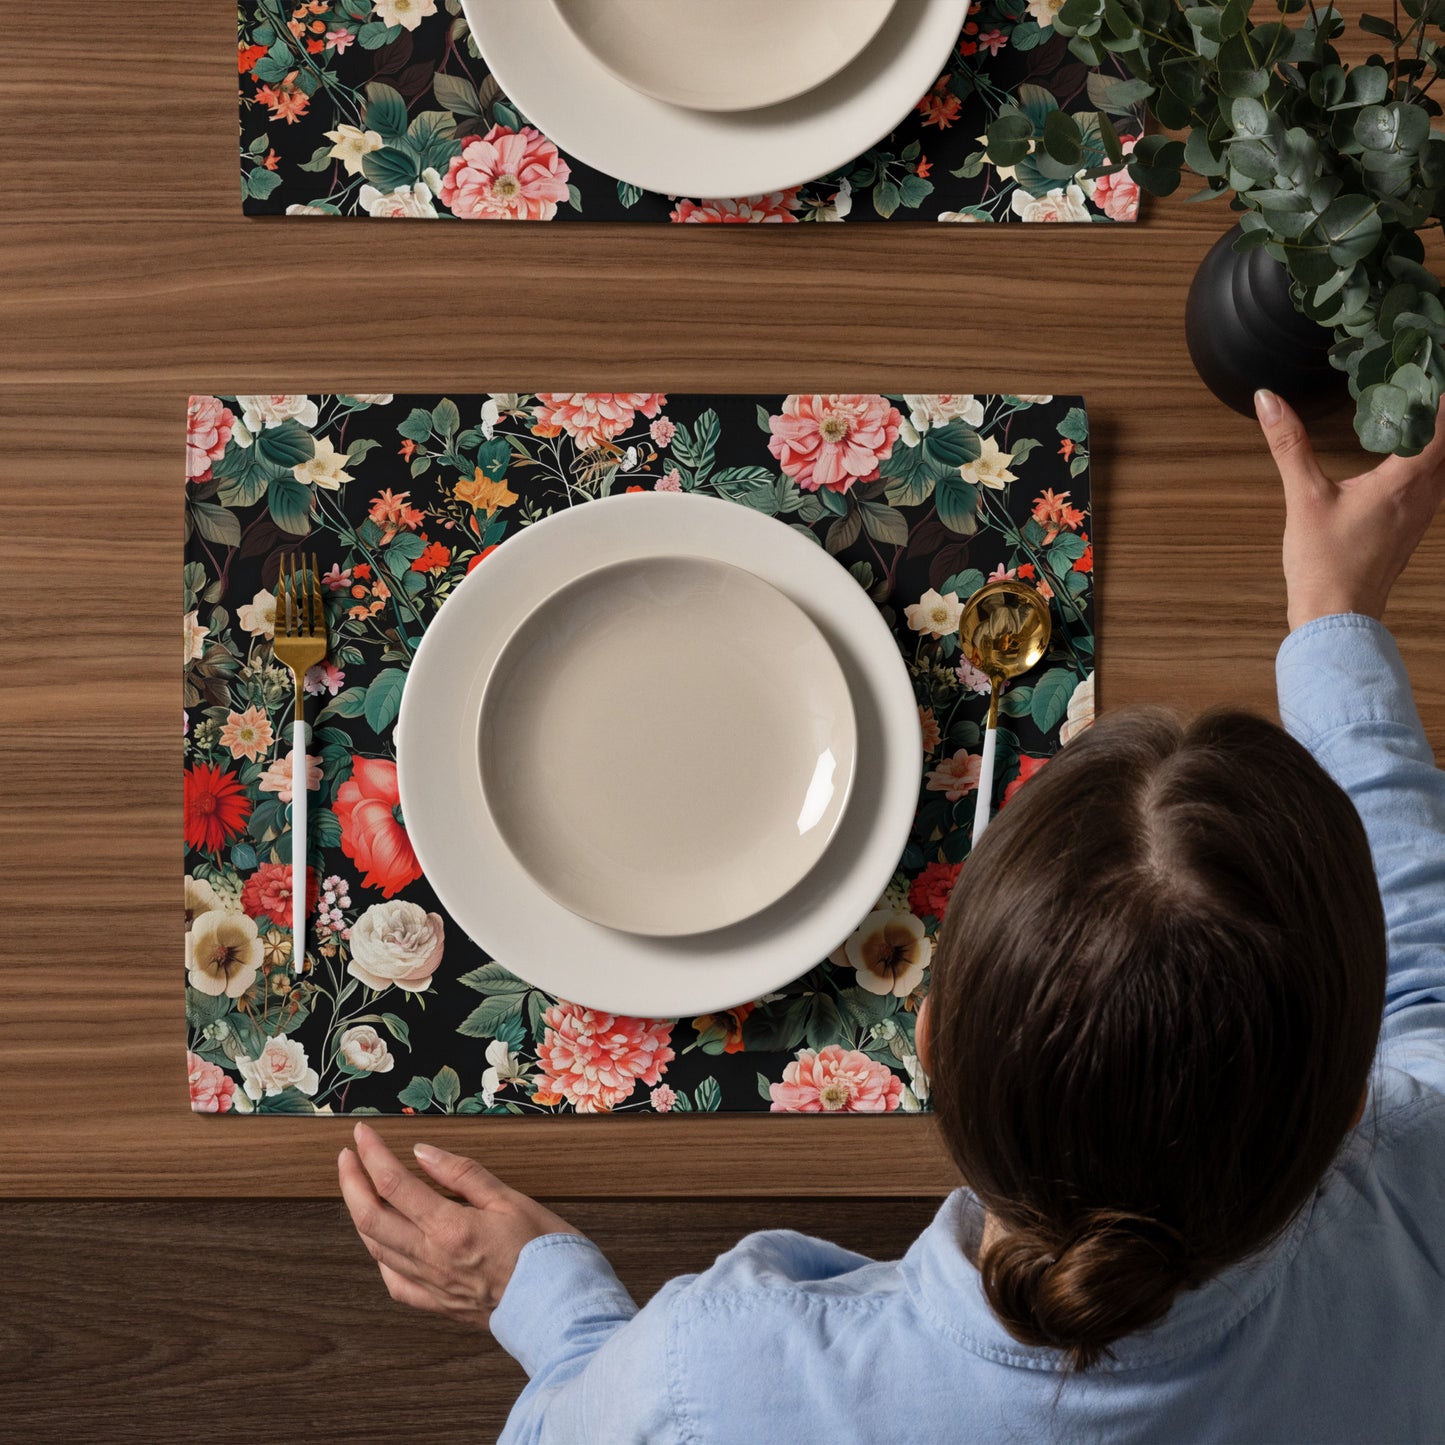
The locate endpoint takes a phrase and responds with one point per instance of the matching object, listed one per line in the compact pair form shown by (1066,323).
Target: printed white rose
(260,412)
(396,943)
(361,1047)
(299,209)
(1058,205)
(960,218)
(1080,715)
(1019,396)
(404,201)
(324,468)
(351,145)
(200,898)
(930,410)
(195,637)
(888,953)
(372,398)
(282,1065)
(1043,12)
(406,13)
(258,616)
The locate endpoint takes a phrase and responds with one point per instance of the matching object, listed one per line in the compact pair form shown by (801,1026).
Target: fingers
(1289,444)
(408,1292)
(372,1218)
(461,1175)
(395,1184)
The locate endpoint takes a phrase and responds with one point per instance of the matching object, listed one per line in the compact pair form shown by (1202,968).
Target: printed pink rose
(833,441)
(670,481)
(594,1060)
(775,208)
(662,1098)
(507,175)
(662,431)
(593,418)
(208,429)
(956,776)
(835,1080)
(1117,196)
(212,1088)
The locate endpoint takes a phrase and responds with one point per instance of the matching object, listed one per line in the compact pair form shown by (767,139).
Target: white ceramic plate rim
(519,925)
(588,112)
(680,96)
(815,844)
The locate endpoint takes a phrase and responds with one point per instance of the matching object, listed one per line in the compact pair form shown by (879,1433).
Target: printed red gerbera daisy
(216,807)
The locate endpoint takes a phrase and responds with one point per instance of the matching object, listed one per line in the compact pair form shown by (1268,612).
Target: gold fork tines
(300,640)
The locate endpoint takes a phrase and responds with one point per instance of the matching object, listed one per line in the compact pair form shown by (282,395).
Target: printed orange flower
(482,556)
(433,558)
(1086,562)
(408,447)
(1066,448)
(1027,768)
(1054,514)
(730,1021)
(286,102)
(940,106)
(924,168)
(485,495)
(392,513)
(247,56)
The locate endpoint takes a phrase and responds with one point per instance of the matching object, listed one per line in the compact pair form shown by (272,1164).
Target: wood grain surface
(130,279)
(266,1322)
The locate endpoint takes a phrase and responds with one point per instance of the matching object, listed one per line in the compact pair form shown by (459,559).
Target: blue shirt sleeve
(598,1367)
(1344,693)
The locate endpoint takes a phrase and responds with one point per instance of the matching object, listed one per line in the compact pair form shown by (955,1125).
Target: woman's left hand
(438,1254)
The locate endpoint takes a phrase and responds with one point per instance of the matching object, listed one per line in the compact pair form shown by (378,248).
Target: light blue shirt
(1336,1332)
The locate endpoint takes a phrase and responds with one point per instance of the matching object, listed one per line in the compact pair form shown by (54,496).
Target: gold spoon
(1004,630)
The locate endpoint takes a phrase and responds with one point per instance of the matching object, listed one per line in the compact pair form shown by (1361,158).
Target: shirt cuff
(559,1281)
(1340,670)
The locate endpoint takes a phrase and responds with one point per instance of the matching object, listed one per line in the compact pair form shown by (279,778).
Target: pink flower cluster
(593,418)
(208,429)
(833,440)
(506,175)
(775,208)
(594,1060)
(835,1080)
(1118,195)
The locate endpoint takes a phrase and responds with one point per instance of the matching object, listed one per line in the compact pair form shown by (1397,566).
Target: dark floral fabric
(921,497)
(386,108)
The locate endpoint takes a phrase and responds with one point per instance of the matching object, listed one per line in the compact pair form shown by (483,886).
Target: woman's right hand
(1345,543)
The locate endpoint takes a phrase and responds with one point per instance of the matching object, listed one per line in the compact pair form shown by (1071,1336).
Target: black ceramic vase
(1244,333)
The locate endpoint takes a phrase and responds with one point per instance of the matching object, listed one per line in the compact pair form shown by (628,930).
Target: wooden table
(131,279)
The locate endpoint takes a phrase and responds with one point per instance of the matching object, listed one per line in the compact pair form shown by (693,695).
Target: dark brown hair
(1154,1006)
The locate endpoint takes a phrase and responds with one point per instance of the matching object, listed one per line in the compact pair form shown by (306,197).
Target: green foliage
(1333,168)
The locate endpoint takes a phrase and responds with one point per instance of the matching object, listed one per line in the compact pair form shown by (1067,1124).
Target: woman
(1206,1183)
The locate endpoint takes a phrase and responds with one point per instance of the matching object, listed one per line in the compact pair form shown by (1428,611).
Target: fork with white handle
(300,643)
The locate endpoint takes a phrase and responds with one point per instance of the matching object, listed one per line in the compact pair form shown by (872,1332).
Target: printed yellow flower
(351,146)
(223,954)
(325,468)
(991,468)
(487,496)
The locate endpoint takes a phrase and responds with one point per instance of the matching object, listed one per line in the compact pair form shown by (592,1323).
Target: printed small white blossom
(503,1067)
(406,13)
(990,468)
(258,616)
(351,145)
(325,468)
(935,614)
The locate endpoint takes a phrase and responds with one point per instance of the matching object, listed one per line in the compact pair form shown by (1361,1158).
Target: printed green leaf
(458,95)
(489,1015)
(289,502)
(765,1089)
(417,1094)
(884,523)
(446,1086)
(957,500)
(385,111)
(754,487)
(398,1028)
(351,702)
(493,978)
(383,698)
(1051,697)
(708,1095)
(216,524)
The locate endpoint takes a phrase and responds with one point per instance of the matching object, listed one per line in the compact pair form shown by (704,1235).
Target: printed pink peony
(833,441)
(373,836)
(835,1080)
(594,1060)
(775,208)
(507,175)
(208,429)
(212,1088)
(1117,196)
(593,418)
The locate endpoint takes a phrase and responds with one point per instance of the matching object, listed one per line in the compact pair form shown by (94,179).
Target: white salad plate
(667,745)
(567,93)
(724,54)
(480,880)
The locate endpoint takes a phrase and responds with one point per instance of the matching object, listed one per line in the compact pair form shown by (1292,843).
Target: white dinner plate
(494,899)
(571,97)
(667,745)
(734,55)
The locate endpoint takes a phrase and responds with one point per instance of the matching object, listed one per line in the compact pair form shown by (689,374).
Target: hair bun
(1116,1273)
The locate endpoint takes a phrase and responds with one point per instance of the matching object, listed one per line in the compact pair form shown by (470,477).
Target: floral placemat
(921,498)
(386,108)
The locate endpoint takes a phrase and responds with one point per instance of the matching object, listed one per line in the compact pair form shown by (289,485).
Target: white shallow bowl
(667,745)
(563,90)
(724,54)
(487,891)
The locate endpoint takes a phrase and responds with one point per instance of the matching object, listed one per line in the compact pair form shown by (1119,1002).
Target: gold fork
(300,643)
